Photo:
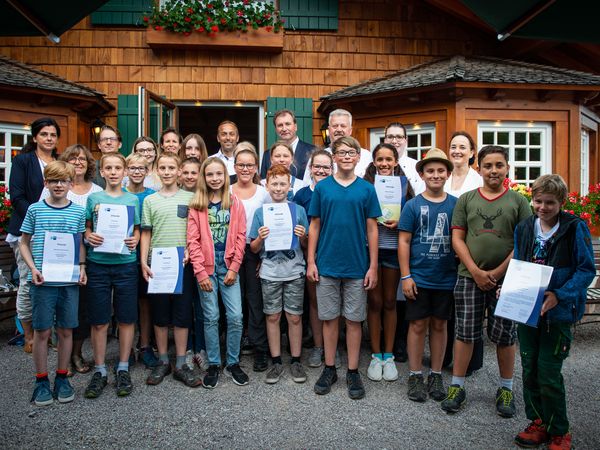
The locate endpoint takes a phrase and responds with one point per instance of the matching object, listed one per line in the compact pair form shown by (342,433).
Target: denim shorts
(48,302)
(388,258)
(112,285)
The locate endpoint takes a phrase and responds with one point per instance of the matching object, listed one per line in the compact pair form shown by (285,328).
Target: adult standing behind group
(25,185)
(395,134)
(109,141)
(228,136)
(339,126)
(286,128)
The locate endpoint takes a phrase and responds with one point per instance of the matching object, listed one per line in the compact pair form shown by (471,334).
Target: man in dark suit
(287,129)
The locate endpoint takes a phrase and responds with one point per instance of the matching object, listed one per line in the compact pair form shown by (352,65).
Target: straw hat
(435,155)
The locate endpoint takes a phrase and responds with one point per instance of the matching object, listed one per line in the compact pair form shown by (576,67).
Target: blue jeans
(232,300)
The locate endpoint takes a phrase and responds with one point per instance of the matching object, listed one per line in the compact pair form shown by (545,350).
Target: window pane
(535,138)
(17,140)
(535,154)
(534,172)
(3,175)
(412,140)
(520,138)
(488,138)
(414,154)
(520,173)
(2,139)
(426,140)
(521,154)
(2,155)
(503,138)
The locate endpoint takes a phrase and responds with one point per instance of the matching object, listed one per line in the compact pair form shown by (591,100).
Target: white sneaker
(189,358)
(375,370)
(390,373)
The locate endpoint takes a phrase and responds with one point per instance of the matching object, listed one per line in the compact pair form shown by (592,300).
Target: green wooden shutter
(127,121)
(309,14)
(302,108)
(121,12)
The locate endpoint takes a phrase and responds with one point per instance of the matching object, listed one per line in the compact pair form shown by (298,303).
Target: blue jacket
(572,256)
(301,157)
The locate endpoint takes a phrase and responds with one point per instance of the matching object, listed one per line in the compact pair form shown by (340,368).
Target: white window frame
(9,130)
(584,174)
(545,130)
(376,136)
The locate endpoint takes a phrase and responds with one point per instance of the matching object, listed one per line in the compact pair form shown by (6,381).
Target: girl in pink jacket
(216,236)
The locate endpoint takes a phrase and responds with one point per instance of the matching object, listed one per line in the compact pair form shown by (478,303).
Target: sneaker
(560,442)
(505,403)
(315,359)
(159,372)
(96,386)
(356,389)
(63,391)
(457,396)
(435,387)
(42,395)
(338,359)
(533,436)
(236,373)
(189,358)
(298,373)
(201,360)
(188,376)
(327,378)
(375,370)
(148,357)
(123,382)
(274,374)
(261,361)
(246,348)
(416,388)
(390,373)
(211,379)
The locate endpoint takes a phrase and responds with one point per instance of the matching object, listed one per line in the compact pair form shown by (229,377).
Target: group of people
(448,253)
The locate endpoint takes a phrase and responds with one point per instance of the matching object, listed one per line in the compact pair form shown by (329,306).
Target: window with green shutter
(121,12)
(127,121)
(302,108)
(309,14)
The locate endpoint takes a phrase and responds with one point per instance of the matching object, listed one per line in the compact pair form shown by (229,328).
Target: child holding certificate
(381,311)
(428,267)
(164,224)
(54,218)
(112,216)
(344,211)
(216,235)
(483,225)
(282,275)
(554,238)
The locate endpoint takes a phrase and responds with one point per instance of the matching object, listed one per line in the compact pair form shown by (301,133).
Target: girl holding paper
(382,300)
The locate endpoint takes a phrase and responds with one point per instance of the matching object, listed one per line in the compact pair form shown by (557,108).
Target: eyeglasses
(145,150)
(245,166)
(350,153)
(136,169)
(57,182)
(79,159)
(323,168)
(109,139)
(395,137)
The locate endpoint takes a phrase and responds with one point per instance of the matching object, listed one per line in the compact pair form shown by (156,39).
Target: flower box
(259,40)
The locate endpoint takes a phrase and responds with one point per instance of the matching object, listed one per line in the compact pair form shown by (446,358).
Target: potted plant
(215,24)
(5,210)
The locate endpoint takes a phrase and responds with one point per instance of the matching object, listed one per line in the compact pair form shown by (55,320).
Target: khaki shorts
(286,295)
(341,296)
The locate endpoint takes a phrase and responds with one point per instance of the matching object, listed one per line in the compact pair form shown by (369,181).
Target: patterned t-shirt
(218,220)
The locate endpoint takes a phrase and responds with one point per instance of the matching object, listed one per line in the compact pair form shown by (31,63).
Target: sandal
(79,364)
(28,347)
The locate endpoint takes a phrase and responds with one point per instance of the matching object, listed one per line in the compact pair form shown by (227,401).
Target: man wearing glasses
(109,141)
(395,134)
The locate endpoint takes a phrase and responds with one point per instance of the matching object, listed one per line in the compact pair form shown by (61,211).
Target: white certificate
(280,218)
(522,292)
(115,223)
(60,263)
(389,194)
(167,270)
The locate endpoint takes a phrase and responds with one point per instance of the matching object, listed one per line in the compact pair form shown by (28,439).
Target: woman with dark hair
(395,134)
(461,152)
(25,186)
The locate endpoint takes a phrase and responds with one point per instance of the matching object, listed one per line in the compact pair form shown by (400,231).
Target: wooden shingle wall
(374,38)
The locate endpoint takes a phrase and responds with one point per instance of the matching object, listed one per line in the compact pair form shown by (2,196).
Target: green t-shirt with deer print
(489,226)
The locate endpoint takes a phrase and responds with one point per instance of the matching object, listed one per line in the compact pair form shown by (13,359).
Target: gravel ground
(285,415)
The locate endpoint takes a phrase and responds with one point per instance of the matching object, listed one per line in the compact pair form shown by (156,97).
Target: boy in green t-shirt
(483,224)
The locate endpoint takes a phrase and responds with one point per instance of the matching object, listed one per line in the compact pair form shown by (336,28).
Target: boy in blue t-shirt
(428,267)
(53,300)
(344,211)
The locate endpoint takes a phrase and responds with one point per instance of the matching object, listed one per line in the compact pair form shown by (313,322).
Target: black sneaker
(211,379)
(435,387)
(159,372)
(457,396)
(96,386)
(505,403)
(236,373)
(327,378)
(356,390)
(124,385)
(261,361)
(187,376)
(417,392)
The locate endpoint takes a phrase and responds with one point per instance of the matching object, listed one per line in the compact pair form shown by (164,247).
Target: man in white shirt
(340,125)
(228,136)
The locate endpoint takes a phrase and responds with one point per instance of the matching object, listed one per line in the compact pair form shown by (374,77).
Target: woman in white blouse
(461,152)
